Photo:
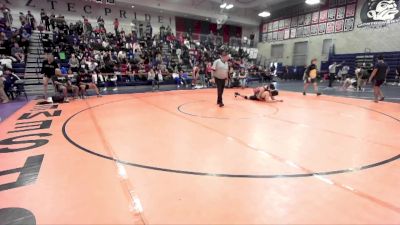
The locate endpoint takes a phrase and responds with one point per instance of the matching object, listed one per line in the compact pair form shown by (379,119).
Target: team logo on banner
(379,13)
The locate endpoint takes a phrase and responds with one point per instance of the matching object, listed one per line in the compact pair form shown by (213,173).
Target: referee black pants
(331,79)
(220,88)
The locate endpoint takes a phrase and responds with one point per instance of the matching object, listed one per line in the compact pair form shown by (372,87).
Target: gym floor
(176,158)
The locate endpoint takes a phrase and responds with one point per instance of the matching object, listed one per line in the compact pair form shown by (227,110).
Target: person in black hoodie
(85,82)
(378,75)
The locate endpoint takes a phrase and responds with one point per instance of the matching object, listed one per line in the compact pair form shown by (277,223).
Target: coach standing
(49,67)
(378,75)
(220,74)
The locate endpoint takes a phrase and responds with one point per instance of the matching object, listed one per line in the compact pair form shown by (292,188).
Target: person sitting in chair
(62,84)
(243,78)
(3,95)
(10,82)
(85,82)
(263,93)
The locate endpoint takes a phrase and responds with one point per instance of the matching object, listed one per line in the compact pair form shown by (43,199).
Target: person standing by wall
(46,20)
(22,18)
(7,15)
(311,77)
(53,21)
(332,73)
(220,74)
(378,75)
(42,16)
(398,75)
(116,26)
(100,22)
(285,73)
(31,20)
(362,76)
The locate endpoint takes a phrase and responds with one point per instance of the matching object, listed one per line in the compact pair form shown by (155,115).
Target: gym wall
(372,31)
(73,11)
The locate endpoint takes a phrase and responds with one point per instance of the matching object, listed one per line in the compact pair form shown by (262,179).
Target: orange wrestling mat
(177,158)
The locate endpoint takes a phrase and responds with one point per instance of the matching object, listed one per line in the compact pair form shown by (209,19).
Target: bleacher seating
(19,69)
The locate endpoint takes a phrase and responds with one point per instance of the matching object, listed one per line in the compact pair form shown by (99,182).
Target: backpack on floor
(58,99)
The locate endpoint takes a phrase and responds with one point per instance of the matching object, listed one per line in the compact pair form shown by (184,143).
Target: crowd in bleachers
(138,56)
(86,52)
(14,44)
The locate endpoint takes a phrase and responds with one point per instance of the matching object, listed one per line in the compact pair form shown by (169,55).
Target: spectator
(91,65)
(74,63)
(116,26)
(285,73)
(176,78)
(195,74)
(24,42)
(18,53)
(84,83)
(184,77)
(5,61)
(63,85)
(3,95)
(25,34)
(133,27)
(46,22)
(243,78)
(153,78)
(272,70)
(121,55)
(10,80)
(42,16)
(7,15)
(53,21)
(31,20)
(47,43)
(22,18)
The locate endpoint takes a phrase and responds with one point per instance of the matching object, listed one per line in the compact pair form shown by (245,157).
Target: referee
(220,74)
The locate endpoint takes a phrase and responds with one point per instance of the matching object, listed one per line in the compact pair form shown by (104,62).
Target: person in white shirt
(345,72)
(220,74)
(105,44)
(332,73)
(121,55)
(153,77)
(7,62)
(175,76)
